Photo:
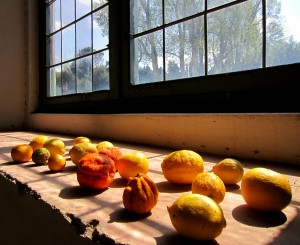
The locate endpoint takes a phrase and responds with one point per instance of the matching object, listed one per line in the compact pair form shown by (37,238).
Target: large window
(170,56)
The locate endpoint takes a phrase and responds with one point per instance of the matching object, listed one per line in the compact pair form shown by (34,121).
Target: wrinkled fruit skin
(140,194)
(95,171)
(41,156)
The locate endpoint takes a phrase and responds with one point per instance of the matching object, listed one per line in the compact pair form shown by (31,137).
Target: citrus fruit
(56,162)
(21,153)
(104,144)
(197,216)
(182,166)
(210,185)
(95,171)
(266,190)
(55,146)
(79,150)
(113,152)
(38,142)
(81,139)
(229,170)
(41,156)
(131,164)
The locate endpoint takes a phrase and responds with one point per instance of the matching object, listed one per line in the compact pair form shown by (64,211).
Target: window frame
(263,90)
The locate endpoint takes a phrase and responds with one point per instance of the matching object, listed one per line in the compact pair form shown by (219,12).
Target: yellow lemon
(210,185)
(55,146)
(81,139)
(56,162)
(79,150)
(229,170)
(104,144)
(38,142)
(182,166)
(197,216)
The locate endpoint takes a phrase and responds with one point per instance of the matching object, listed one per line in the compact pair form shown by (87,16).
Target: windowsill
(101,216)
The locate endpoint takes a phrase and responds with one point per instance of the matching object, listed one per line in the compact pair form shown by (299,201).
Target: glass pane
(98,3)
(101,71)
(147,58)
(175,10)
(185,49)
(83,36)
(283,33)
(234,38)
(82,7)
(68,11)
(54,81)
(54,49)
(68,43)
(53,17)
(215,3)
(100,29)
(68,78)
(145,15)
(84,74)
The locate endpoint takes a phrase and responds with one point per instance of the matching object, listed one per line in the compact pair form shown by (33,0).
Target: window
(170,56)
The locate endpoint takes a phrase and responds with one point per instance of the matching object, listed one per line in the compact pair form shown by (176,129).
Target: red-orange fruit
(113,152)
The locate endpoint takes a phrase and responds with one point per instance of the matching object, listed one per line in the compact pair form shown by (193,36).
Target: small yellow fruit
(182,166)
(104,144)
(21,153)
(131,164)
(56,162)
(210,185)
(79,150)
(266,190)
(229,170)
(81,139)
(197,216)
(38,142)
(55,146)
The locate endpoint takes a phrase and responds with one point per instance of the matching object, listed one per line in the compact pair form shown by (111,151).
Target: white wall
(267,137)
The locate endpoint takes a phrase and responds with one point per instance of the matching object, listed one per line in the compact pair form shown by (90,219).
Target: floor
(101,215)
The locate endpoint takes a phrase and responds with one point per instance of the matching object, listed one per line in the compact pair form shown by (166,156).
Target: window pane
(54,49)
(215,3)
(101,71)
(54,81)
(179,9)
(185,49)
(100,29)
(283,33)
(146,58)
(68,11)
(68,43)
(83,36)
(53,17)
(82,7)
(84,74)
(145,15)
(98,3)
(234,38)
(68,78)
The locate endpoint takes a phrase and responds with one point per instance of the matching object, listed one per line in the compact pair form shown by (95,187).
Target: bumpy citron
(197,216)
(81,139)
(55,146)
(56,162)
(21,153)
(80,150)
(229,170)
(38,142)
(266,190)
(182,166)
(209,184)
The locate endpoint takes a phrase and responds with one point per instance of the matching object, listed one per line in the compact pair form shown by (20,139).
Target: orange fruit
(229,170)
(210,185)
(197,216)
(21,153)
(55,146)
(104,144)
(131,164)
(38,142)
(81,139)
(266,190)
(56,162)
(182,166)
(80,150)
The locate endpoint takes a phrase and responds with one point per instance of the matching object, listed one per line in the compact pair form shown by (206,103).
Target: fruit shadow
(75,192)
(168,187)
(248,216)
(122,215)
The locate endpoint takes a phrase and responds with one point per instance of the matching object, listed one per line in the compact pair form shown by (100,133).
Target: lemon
(104,144)
(229,170)
(38,142)
(55,146)
(197,216)
(210,185)
(80,150)
(182,166)
(131,164)
(56,162)
(81,139)
(266,190)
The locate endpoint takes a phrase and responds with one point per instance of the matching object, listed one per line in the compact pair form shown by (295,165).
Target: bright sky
(290,9)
